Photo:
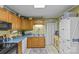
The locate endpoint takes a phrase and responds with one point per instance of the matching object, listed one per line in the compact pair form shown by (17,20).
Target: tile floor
(47,50)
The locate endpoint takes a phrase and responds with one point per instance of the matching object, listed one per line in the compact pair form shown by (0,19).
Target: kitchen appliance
(5,25)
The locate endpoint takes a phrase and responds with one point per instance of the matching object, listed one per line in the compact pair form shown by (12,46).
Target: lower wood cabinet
(19,45)
(35,42)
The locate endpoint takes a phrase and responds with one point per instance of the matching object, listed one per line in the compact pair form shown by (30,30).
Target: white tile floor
(47,50)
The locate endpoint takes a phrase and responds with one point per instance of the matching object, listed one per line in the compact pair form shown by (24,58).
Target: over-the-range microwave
(5,25)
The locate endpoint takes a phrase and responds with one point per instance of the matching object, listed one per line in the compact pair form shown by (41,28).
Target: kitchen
(25,32)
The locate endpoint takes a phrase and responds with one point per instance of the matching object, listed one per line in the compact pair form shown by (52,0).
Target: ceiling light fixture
(38,26)
(39,6)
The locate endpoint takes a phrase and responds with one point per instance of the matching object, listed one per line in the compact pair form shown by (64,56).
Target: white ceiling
(48,11)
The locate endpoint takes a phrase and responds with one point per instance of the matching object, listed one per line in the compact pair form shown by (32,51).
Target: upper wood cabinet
(10,17)
(27,24)
(3,14)
(23,26)
(16,23)
(15,20)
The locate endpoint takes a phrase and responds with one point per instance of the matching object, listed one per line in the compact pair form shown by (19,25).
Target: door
(50,30)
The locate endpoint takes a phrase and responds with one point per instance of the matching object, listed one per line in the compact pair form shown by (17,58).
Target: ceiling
(48,12)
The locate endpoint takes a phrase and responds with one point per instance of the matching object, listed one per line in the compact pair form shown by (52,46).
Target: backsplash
(4,32)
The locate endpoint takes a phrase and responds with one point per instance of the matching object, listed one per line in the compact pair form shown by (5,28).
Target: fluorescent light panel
(38,26)
(39,6)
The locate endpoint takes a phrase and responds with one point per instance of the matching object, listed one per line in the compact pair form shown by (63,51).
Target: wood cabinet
(3,14)
(35,42)
(16,22)
(19,48)
(23,26)
(27,24)
(10,17)
(6,15)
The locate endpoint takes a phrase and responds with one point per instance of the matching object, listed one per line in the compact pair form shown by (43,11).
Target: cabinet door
(14,22)
(41,42)
(35,42)
(23,24)
(31,43)
(3,14)
(27,24)
(20,48)
(18,24)
(10,17)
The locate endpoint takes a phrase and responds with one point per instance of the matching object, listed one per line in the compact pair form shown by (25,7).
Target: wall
(57,22)
(76,9)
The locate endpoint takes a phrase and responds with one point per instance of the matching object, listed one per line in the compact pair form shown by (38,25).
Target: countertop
(16,40)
